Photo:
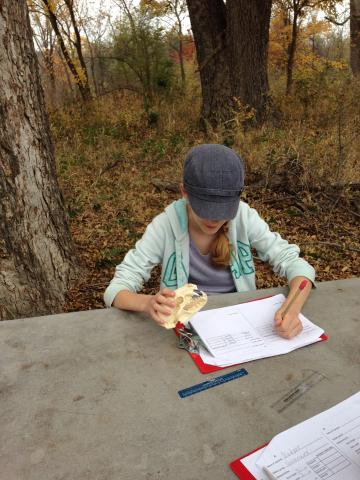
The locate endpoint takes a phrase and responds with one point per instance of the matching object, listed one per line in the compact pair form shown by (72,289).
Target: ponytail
(221,248)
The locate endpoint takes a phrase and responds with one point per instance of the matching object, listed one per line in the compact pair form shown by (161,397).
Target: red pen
(298,291)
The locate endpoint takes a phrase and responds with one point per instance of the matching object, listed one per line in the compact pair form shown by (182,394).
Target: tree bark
(248,26)
(231,44)
(355,36)
(177,6)
(36,251)
(208,22)
(291,51)
(92,62)
(181,59)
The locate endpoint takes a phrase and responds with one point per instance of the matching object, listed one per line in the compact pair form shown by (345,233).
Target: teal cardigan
(166,242)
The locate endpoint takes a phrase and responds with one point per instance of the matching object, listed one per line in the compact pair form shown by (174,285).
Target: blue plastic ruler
(213,382)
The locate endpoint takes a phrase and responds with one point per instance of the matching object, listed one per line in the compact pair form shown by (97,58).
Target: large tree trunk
(35,244)
(208,22)
(231,43)
(248,26)
(355,36)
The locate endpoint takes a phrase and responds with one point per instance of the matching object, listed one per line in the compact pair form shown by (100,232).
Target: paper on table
(245,332)
(326,446)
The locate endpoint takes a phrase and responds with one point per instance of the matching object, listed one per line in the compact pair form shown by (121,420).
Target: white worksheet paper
(245,332)
(325,447)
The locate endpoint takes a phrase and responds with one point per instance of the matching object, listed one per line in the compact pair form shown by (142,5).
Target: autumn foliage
(302,164)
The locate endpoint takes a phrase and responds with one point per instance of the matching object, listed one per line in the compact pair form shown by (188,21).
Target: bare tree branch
(335,22)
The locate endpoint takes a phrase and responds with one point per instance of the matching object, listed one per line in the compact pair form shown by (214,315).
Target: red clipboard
(239,468)
(206,368)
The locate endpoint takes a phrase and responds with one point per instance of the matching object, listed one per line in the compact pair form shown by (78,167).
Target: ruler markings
(298,391)
(213,382)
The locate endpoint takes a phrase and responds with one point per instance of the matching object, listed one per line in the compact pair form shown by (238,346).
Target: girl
(206,238)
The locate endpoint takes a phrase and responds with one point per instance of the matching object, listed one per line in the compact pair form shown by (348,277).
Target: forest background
(125,102)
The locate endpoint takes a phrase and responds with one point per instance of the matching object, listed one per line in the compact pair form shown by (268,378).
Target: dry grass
(107,156)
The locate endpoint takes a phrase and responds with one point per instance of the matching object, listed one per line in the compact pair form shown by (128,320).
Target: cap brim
(220,208)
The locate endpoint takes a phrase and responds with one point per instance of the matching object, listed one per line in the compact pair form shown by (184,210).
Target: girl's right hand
(162,303)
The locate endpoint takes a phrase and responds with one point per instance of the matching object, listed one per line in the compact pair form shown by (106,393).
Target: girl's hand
(162,303)
(287,326)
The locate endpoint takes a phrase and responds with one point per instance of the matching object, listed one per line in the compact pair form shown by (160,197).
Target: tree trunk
(50,66)
(291,53)
(248,26)
(69,80)
(81,80)
(208,22)
(181,44)
(355,36)
(231,44)
(78,47)
(92,63)
(181,58)
(36,251)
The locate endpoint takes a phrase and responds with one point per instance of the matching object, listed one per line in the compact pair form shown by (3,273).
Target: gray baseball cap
(213,178)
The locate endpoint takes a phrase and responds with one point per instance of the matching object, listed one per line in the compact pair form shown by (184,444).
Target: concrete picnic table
(93,395)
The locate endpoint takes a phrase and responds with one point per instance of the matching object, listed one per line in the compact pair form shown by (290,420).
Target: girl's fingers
(165,301)
(158,310)
(163,309)
(288,323)
(291,331)
(167,292)
(278,318)
(162,304)
(158,321)
(295,331)
(156,318)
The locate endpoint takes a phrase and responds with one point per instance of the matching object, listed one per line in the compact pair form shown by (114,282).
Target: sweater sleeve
(135,269)
(271,247)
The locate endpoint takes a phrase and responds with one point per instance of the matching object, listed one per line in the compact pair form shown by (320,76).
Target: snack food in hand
(189,300)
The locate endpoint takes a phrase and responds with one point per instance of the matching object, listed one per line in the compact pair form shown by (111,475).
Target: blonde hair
(221,248)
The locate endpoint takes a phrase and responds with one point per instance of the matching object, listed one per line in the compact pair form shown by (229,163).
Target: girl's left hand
(287,326)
